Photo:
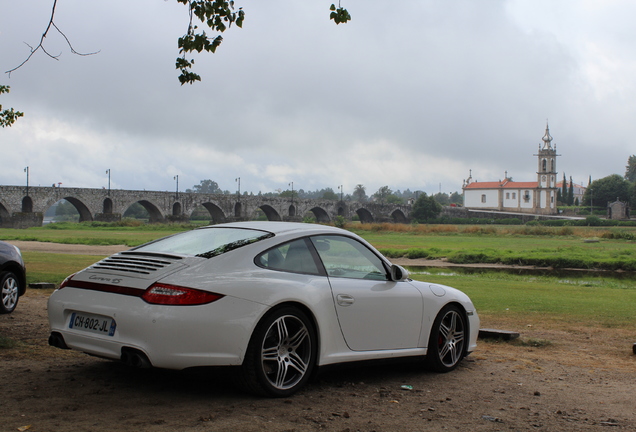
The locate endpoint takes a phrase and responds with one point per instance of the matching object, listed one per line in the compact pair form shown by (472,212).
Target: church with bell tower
(547,173)
(538,197)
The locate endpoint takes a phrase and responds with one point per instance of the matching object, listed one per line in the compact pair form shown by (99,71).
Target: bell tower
(546,173)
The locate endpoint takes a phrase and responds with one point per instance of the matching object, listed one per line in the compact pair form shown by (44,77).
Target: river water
(558,273)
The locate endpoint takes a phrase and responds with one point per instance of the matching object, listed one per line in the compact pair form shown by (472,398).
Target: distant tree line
(384,195)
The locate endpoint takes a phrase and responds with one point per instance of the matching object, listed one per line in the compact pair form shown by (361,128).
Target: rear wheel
(281,354)
(447,342)
(10,292)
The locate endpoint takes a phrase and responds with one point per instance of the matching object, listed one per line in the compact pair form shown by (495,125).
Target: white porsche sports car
(277,299)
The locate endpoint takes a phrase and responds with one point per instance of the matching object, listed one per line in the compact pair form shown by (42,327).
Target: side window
(347,258)
(293,257)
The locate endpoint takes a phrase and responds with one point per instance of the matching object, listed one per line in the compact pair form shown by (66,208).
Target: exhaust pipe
(135,358)
(57,340)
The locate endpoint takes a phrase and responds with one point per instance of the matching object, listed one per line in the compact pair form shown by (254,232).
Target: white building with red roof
(539,197)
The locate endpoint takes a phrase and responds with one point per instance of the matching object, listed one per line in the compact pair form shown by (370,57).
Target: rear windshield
(205,242)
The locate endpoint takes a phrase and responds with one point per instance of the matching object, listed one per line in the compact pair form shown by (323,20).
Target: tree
(330,195)
(456,198)
(571,193)
(442,198)
(425,208)
(207,187)
(382,194)
(8,116)
(360,193)
(564,191)
(217,15)
(607,189)
(394,199)
(630,169)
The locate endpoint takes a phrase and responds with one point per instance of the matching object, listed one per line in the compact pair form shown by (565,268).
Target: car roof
(282,227)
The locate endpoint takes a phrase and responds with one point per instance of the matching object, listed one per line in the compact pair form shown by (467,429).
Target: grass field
(585,248)
(590,300)
(72,233)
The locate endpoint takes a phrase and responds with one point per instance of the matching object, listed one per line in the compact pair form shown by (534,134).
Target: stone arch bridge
(22,207)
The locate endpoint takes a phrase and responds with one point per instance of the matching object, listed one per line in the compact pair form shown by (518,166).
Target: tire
(447,342)
(281,355)
(10,292)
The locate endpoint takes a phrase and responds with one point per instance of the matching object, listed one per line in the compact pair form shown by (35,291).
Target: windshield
(205,242)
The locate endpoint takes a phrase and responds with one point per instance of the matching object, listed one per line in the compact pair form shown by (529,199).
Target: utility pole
(26,170)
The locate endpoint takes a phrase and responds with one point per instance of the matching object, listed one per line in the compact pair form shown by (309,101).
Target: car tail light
(165,294)
(66,281)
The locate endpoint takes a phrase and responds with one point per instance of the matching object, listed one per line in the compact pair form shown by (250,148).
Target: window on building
(526,196)
(483,198)
(514,195)
(507,195)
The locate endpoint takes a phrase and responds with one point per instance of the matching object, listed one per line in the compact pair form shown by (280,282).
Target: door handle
(344,299)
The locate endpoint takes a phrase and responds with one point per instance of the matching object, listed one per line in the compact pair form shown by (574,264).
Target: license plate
(92,323)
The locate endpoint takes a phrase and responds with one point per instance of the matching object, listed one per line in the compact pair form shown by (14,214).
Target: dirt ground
(559,378)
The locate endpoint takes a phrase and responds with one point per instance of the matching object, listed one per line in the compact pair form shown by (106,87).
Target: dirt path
(574,379)
(585,380)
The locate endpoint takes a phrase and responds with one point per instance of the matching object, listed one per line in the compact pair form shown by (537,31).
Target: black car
(12,277)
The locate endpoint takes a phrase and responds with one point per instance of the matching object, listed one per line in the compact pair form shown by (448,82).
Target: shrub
(340,221)
(417,253)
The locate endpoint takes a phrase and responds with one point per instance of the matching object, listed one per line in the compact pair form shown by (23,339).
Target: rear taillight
(165,294)
(66,281)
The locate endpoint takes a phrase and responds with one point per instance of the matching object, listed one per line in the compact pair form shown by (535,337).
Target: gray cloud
(411,97)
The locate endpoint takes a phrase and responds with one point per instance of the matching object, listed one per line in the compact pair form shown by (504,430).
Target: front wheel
(10,292)
(447,342)
(281,354)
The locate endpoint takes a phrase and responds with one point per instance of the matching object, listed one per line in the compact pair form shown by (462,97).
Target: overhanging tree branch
(218,15)
(40,46)
(8,116)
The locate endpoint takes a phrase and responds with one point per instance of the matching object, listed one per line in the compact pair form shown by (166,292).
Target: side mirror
(398,273)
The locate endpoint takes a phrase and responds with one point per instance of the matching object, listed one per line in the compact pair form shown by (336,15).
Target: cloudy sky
(411,96)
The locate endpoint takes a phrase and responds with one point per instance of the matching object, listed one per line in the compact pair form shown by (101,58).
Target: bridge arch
(154,213)
(364,215)
(84,213)
(292,210)
(320,214)
(216,213)
(4,214)
(398,216)
(27,204)
(176,209)
(270,212)
(107,206)
(238,208)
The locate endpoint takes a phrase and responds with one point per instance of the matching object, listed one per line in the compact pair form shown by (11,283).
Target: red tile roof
(505,185)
